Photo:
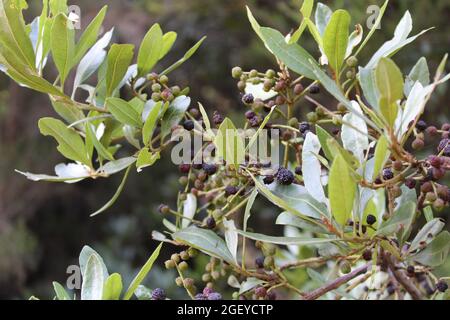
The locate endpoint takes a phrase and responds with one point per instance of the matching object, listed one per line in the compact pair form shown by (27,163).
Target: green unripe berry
(293,122)
(169,264)
(341,108)
(241,85)
(184,255)
(352,62)
(337,120)
(192,252)
(206,277)
(350,74)
(253,73)
(156,87)
(345,267)
(236,72)
(183,266)
(270,73)
(179,282)
(156,96)
(175,257)
(215,275)
(188,283)
(256,81)
(320,111)
(217,214)
(176,90)
(183,180)
(431,197)
(312,117)
(163,79)
(439,205)
(269,262)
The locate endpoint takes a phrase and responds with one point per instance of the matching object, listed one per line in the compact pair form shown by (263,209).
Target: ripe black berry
(231,190)
(259,262)
(248,98)
(250,114)
(298,170)
(388,174)
(315,89)
(158,294)
(442,286)
(367,255)
(285,177)
(210,223)
(371,219)
(411,271)
(269,179)
(254,122)
(217,118)
(421,125)
(188,125)
(304,126)
(210,169)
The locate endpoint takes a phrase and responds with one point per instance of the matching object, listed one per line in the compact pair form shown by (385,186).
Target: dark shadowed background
(44,226)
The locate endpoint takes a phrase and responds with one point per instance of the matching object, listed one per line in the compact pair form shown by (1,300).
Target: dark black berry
(188,125)
(254,122)
(285,177)
(315,89)
(298,170)
(250,114)
(231,190)
(390,289)
(442,286)
(411,271)
(209,169)
(367,255)
(304,126)
(259,262)
(388,174)
(210,223)
(158,294)
(248,98)
(421,125)
(371,219)
(269,179)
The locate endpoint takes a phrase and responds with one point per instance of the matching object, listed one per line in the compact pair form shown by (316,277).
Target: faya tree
(360,209)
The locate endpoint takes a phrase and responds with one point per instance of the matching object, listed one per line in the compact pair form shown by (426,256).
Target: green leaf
(285,240)
(206,241)
(248,207)
(322,16)
(292,55)
(168,40)
(186,57)
(13,34)
(341,191)
(306,11)
(323,136)
(68,110)
(115,196)
(426,234)
(112,287)
(124,112)
(85,253)
(70,143)
(119,59)
(419,73)
(335,39)
(116,166)
(89,36)
(150,50)
(389,80)
(150,123)
(381,156)
(229,144)
(388,110)
(93,279)
(142,273)
(58,6)
(146,159)
(290,219)
(174,114)
(436,252)
(101,149)
(428,213)
(400,222)
(63,45)
(61,293)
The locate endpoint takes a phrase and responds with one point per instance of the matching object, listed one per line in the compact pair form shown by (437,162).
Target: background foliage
(44,226)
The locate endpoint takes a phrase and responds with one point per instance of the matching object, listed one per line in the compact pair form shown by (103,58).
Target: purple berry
(285,177)
(215,296)
(158,294)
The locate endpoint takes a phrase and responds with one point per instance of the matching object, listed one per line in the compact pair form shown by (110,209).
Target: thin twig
(402,278)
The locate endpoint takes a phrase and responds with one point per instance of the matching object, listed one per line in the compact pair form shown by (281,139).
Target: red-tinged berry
(445,127)
(298,89)
(184,168)
(207,291)
(410,183)
(432,131)
(398,166)
(158,294)
(285,177)
(418,144)
(438,173)
(435,161)
(271,295)
(438,205)
(260,292)
(367,255)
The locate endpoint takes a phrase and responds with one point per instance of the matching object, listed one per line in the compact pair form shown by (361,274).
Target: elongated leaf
(436,252)
(70,143)
(119,59)
(186,57)
(427,234)
(389,80)
(61,293)
(420,73)
(63,45)
(292,55)
(93,279)
(150,50)
(354,134)
(13,34)
(67,110)
(85,253)
(368,83)
(231,237)
(401,220)
(150,123)
(290,219)
(189,210)
(206,241)
(146,159)
(168,40)
(101,149)
(89,36)
(58,6)
(174,114)
(306,11)
(311,167)
(335,39)
(124,112)
(113,287)
(248,207)
(323,138)
(381,156)
(322,16)
(285,240)
(341,191)
(142,273)
(116,166)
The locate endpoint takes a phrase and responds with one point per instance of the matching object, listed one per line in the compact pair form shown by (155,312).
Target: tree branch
(313,295)
(402,278)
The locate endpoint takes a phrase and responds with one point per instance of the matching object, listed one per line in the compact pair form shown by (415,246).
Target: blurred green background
(44,226)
